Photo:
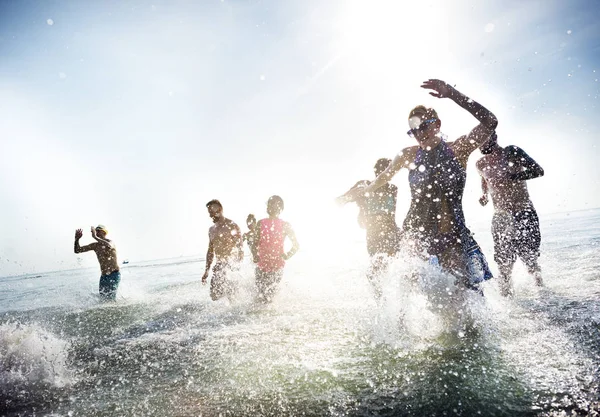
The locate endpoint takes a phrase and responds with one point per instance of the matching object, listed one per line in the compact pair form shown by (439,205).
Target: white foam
(31,355)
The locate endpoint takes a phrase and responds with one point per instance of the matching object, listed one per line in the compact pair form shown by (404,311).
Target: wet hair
(382,164)
(423,112)
(276,201)
(216,202)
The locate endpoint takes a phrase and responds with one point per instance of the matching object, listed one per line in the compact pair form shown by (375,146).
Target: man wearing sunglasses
(437,173)
(515,225)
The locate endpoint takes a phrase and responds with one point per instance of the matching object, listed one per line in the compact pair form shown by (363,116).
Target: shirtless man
(515,225)
(225,242)
(106,253)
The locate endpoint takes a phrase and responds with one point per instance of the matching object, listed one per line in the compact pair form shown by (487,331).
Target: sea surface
(324,347)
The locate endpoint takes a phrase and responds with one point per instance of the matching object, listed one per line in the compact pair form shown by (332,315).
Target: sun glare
(394,37)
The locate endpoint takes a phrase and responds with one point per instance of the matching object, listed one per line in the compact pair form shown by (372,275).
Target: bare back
(507,194)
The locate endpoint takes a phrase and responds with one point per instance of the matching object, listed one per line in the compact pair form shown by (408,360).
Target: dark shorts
(220,283)
(516,235)
(383,237)
(267,283)
(109,284)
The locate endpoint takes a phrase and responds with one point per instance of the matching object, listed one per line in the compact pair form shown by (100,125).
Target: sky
(134,114)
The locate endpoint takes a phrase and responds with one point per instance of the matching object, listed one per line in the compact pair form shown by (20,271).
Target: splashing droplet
(50,22)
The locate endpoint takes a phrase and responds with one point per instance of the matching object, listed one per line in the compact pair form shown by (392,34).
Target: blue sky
(134,114)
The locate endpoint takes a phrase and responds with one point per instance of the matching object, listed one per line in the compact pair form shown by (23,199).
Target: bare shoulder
(231,224)
(288,228)
(462,148)
(407,155)
(410,151)
(459,145)
(93,246)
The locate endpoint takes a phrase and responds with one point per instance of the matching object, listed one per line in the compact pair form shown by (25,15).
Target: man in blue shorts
(106,253)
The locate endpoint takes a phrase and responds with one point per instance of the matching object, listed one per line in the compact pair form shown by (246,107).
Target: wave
(32,357)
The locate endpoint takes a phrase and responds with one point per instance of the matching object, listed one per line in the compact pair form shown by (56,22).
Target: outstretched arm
(528,168)
(487,120)
(403,159)
(348,197)
(80,249)
(289,232)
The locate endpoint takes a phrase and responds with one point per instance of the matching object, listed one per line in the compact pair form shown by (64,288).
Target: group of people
(434,227)
(266,240)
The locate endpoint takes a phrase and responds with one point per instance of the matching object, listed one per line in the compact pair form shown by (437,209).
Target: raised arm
(210,254)
(528,168)
(487,120)
(99,239)
(80,249)
(289,232)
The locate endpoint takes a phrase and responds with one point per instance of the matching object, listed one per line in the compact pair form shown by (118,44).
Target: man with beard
(225,242)
(515,225)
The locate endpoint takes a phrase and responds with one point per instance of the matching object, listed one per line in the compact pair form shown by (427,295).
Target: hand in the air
(440,88)
(78,234)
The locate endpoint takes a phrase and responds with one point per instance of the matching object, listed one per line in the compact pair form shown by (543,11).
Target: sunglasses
(421,128)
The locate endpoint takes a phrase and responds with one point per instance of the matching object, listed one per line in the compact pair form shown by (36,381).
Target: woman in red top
(270,254)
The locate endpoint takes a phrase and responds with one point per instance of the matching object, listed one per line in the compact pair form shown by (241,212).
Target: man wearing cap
(224,243)
(106,253)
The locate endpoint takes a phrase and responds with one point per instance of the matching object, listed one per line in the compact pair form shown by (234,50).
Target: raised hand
(440,88)
(93,230)
(78,234)
(341,200)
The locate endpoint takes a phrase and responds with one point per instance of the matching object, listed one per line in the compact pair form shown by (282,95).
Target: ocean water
(324,347)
